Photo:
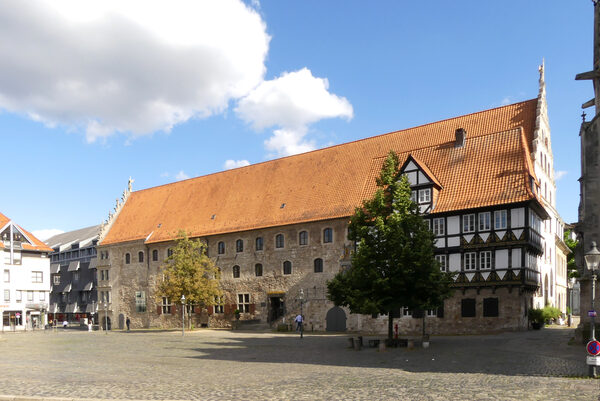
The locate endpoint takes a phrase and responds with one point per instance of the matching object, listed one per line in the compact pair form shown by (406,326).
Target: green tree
(393,265)
(189,271)
(572,244)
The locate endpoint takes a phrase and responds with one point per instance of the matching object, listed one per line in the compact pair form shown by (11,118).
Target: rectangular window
(259,243)
(439,227)
(406,312)
(29,296)
(218,307)
(469,262)
(19,296)
(166,306)
(7,295)
(467,307)
(42,296)
(485,260)
(484,221)
(500,219)
(431,312)
(7,276)
(425,195)
(244,303)
(105,297)
(490,307)
(140,301)
(37,277)
(468,223)
(56,279)
(75,277)
(442,260)
(413,196)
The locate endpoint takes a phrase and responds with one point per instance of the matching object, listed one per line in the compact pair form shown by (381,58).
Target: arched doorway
(336,319)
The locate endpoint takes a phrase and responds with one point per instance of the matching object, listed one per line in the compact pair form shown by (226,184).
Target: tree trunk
(390,325)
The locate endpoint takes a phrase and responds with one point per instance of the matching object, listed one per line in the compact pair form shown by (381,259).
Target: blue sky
(81,91)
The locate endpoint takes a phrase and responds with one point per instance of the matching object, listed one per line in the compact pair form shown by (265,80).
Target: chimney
(461,135)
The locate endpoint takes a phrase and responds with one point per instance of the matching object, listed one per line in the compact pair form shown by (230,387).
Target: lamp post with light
(301,298)
(592,259)
(183,315)
(106,317)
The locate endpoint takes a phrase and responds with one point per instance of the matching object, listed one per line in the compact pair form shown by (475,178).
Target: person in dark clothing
(128,322)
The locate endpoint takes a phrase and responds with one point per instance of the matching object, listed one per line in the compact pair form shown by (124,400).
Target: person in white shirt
(299,320)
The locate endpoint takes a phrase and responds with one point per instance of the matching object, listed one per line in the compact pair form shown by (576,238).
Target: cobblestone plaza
(222,365)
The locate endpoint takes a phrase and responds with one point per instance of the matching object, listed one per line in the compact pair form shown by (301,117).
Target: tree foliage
(393,265)
(189,271)
(572,244)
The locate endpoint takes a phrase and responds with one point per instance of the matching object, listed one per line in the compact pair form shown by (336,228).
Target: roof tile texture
(492,168)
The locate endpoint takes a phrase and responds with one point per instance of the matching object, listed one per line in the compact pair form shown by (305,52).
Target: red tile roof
(492,168)
(37,244)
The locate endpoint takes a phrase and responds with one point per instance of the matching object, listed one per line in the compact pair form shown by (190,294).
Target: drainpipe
(147,285)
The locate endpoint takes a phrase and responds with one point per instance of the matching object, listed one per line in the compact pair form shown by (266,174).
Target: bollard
(351,342)
(358,344)
(382,346)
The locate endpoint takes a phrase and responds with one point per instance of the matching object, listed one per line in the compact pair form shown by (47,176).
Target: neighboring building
(25,277)
(588,226)
(484,181)
(74,294)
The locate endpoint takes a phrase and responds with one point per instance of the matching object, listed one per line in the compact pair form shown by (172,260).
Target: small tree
(393,265)
(189,271)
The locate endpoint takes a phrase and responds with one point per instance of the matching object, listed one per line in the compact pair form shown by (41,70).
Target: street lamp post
(301,298)
(105,317)
(592,259)
(183,315)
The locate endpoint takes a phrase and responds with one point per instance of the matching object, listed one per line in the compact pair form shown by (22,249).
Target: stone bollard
(351,342)
(382,346)
(358,344)
(411,344)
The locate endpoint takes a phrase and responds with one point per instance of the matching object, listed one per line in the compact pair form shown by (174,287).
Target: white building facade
(25,285)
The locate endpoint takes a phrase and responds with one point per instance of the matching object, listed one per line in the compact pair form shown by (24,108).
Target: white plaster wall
(453,225)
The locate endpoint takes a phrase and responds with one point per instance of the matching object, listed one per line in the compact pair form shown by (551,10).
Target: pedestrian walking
(65,324)
(127,322)
(299,321)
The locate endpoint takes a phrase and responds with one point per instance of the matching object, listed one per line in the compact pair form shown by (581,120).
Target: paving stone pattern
(225,365)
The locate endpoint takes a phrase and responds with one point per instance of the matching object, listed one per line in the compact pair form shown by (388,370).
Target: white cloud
(506,101)
(164,175)
(132,67)
(229,164)
(559,174)
(181,176)
(291,102)
(44,234)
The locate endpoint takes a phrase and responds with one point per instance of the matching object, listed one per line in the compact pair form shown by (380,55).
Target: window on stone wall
(259,243)
(239,245)
(467,307)
(328,235)
(169,252)
(219,305)
(490,307)
(165,306)
(258,270)
(140,257)
(287,267)
(236,271)
(155,255)
(243,303)
(221,248)
(279,241)
(140,301)
(127,258)
(406,312)
(303,238)
(318,265)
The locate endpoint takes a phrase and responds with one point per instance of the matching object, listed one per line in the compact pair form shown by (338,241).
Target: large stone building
(484,181)
(74,295)
(588,226)
(26,280)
